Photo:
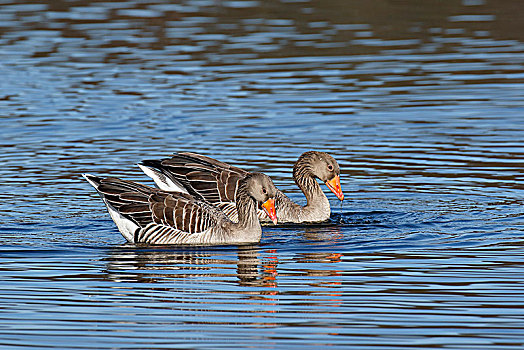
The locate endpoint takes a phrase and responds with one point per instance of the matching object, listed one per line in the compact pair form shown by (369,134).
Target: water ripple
(420,104)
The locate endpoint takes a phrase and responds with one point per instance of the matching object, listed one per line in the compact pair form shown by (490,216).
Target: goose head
(261,188)
(325,167)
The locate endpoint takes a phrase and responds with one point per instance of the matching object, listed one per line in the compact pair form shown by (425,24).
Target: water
(420,102)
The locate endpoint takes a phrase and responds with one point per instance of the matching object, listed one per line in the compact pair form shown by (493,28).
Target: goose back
(148,215)
(202,177)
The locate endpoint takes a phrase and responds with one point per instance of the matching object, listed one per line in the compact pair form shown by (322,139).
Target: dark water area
(421,102)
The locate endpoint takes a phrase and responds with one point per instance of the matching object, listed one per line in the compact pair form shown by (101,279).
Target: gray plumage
(216,182)
(149,215)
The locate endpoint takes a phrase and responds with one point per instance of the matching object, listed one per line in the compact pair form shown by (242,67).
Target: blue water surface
(421,103)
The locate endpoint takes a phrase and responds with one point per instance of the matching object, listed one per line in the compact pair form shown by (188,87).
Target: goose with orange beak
(150,215)
(216,182)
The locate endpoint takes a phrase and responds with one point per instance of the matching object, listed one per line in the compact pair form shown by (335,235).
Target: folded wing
(148,215)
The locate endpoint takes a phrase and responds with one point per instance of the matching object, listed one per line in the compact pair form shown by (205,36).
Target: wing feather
(205,178)
(160,216)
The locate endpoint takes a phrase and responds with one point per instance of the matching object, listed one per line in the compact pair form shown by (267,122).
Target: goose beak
(269,208)
(334,186)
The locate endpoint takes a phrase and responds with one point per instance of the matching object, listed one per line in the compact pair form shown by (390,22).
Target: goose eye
(330,167)
(264,190)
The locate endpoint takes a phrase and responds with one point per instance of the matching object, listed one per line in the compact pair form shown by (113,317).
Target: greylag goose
(216,182)
(149,215)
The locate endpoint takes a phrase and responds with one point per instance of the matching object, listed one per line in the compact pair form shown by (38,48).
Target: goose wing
(204,178)
(157,217)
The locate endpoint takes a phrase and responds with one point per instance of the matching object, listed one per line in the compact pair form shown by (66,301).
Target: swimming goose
(149,215)
(216,182)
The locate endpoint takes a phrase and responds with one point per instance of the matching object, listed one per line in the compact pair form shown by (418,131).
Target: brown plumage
(216,182)
(149,215)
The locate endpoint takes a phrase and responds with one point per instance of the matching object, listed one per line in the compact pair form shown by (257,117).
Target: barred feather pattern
(162,217)
(216,182)
(203,177)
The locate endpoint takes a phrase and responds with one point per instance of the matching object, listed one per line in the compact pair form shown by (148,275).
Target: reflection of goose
(148,215)
(217,183)
(136,264)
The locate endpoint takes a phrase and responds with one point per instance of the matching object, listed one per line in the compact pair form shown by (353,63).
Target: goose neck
(246,208)
(305,180)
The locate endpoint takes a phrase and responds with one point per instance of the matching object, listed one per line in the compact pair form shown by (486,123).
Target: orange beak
(334,186)
(269,208)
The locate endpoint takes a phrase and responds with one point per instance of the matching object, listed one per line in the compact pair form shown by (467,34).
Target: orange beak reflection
(334,186)
(269,208)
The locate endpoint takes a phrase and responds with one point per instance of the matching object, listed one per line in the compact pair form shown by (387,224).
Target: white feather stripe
(126,227)
(163,182)
(154,233)
(157,234)
(184,208)
(227,182)
(161,234)
(206,181)
(92,183)
(192,220)
(209,190)
(200,219)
